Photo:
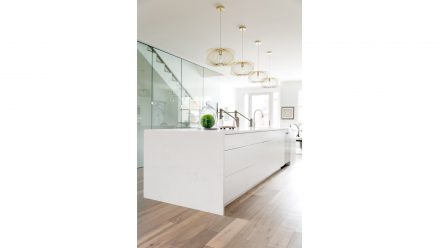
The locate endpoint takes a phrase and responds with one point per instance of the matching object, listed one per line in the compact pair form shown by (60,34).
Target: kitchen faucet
(221,112)
(255,120)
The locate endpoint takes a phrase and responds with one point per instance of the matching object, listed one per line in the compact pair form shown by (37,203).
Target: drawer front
(248,163)
(241,158)
(245,139)
(240,182)
(237,184)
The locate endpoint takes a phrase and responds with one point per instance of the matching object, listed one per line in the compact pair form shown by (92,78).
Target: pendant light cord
(258,57)
(220,29)
(242,35)
(270,62)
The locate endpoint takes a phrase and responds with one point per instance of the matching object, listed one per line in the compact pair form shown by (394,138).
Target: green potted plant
(207,121)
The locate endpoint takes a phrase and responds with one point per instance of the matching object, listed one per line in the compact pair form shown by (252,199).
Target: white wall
(227,97)
(289,98)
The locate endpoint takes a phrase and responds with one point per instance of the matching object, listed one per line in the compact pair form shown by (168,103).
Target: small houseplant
(207,121)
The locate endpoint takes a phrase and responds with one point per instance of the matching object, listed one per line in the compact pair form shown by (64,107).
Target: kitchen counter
(252,130)
(208,169)
(222,131)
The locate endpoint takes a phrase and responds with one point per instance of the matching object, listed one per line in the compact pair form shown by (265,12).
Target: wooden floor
(269,215)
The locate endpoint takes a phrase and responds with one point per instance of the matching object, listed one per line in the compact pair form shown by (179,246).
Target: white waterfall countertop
(220,131)
(206,169)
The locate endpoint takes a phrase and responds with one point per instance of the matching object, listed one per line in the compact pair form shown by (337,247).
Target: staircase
(166,73)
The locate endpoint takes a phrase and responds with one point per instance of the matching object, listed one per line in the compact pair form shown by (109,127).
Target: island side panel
(184,168)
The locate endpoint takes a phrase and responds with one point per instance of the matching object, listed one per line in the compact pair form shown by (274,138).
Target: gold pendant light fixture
(242,67)
(270,82)
(257,76)
(220,56)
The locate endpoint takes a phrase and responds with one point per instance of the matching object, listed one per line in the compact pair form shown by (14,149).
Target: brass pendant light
(270,82)
(220,56)
(242,67)
(257,76)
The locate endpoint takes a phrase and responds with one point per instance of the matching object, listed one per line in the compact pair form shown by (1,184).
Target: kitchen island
(208,169)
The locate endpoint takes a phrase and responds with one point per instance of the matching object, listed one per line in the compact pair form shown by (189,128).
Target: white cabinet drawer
(245,139)
(237,184)
(241,158)
(249,158)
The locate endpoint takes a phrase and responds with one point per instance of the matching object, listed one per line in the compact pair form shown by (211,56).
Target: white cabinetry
(206,170)
(290,147)
(250,158)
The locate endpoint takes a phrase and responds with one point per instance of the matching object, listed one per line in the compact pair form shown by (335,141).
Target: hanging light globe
(220,56)
(270,82)
(258,76)
(242,67)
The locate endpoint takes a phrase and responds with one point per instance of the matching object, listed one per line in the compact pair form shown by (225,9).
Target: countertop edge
(218,131)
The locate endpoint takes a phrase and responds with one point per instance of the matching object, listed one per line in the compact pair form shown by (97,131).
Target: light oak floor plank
(267,216)
(226,235)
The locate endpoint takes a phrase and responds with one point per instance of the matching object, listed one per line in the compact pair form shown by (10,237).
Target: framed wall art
(287,113)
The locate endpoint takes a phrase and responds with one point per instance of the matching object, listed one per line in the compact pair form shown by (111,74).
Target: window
(263,102)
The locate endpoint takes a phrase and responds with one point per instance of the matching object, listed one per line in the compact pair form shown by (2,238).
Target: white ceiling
(188,28)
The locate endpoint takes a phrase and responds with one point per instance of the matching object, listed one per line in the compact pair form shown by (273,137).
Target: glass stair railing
(171,91)
(170,74)
(165,72)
